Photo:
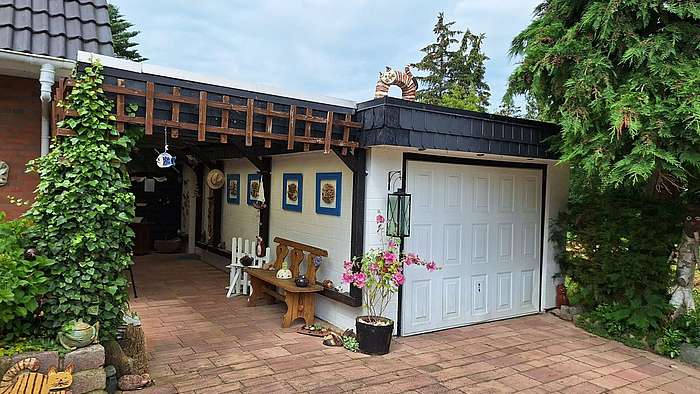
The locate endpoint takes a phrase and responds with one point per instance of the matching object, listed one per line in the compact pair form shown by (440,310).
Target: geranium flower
(347,264)
(379,219)
(392,245)
(431,266)
(360,279)
(398,279)
(374,268)
(410,259)
(389,257)
(348,277)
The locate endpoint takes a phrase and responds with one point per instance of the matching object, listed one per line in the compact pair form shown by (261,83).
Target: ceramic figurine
(165,159)
(16,380)
(284,272)
(259,247)
(78,334)
(134,382)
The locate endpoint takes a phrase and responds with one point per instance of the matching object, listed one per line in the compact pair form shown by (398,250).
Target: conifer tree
(121,36)
(623,80)
(468,69)
(436,62)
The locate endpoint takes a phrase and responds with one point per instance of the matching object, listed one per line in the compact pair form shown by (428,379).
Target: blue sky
(333,48)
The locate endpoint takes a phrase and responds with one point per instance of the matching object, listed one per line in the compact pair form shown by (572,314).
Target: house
(483,187)
(39,43)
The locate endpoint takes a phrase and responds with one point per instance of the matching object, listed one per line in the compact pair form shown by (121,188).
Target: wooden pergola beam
(202,128)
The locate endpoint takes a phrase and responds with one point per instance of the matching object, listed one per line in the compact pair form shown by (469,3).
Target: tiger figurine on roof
(404,80)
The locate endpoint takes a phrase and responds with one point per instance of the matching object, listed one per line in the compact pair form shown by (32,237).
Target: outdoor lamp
(398,222)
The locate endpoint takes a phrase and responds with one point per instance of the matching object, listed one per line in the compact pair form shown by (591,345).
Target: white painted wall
(239,220)
(331,233)
(557,195)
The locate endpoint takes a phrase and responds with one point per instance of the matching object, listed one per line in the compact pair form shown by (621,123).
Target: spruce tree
(436,63)
(121,36)
(623,80)
(468,69)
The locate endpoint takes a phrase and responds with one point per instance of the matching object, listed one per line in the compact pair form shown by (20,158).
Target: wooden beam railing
(223,130)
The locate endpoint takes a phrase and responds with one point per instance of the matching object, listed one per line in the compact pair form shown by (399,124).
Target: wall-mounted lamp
(398,208)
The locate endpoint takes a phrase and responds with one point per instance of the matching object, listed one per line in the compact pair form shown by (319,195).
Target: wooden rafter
(223,130)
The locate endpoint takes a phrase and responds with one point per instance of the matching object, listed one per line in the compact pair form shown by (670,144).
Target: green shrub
(23,345)
(616,245)
(22,282)
(82,211)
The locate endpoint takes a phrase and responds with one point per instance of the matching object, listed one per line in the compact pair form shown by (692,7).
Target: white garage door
(482,225)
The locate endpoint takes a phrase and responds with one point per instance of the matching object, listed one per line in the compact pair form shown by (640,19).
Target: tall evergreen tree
(468,68)
(436,62)
(454,77)
(122,36)
(623,80)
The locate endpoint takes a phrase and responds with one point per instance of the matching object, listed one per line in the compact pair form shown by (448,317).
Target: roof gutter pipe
(46,79)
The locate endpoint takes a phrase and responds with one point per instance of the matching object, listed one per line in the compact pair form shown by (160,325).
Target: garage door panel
(482,225)
(479,243)
(452,239)
(452,298)
(504,291)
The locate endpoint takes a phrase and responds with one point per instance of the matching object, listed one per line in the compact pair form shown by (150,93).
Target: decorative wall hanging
(253,188)
(233,188)
(215,179)
(259,200)
(292,188)
(22,377)
(165,159)
(404,80)
(328,193)
(4,173)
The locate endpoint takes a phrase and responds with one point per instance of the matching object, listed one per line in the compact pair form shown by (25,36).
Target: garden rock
(88,381)
(90,357)
(690,354)
(134,382)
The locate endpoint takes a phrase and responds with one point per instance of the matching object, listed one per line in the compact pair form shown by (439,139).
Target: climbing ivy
(82,210)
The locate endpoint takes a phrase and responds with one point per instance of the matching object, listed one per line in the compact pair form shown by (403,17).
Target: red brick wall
(20,138)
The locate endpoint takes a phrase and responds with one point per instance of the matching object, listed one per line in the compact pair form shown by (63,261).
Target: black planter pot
(374,339)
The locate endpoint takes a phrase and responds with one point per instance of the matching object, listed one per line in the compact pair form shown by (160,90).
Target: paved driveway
(201,342)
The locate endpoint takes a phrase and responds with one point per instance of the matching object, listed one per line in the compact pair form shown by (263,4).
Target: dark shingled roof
(58,28)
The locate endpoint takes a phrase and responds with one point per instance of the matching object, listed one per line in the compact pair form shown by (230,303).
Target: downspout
(46,80)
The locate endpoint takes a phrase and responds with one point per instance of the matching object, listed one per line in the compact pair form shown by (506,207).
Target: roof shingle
(58,28)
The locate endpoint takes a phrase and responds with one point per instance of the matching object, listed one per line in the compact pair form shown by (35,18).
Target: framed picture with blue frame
(292,192)
(233,188)
(329,193)
(253,188)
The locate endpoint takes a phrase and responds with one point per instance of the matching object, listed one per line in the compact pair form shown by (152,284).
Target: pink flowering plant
(380,272)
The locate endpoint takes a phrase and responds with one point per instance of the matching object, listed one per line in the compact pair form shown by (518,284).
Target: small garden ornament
(686,258)
(17,381)
(380,274)
(78,334)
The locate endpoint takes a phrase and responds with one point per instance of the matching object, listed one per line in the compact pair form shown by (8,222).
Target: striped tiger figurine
(404,80)
(16,381)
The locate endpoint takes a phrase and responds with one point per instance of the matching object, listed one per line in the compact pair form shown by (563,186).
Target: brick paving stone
(200,342)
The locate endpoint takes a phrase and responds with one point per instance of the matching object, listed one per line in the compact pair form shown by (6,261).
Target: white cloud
(325,47)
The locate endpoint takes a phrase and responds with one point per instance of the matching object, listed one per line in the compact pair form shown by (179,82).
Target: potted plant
(380,274)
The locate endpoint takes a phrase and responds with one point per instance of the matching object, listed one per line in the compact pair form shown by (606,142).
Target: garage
(483,222)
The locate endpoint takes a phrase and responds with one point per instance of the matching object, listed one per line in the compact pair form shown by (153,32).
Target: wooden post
(357,230)
(266,170)
(202,124)
(329,132)
(120,106)
(175,133)
(346,134)
(249,122)
(307,127)
(224,120)
(292,127)
(150,92)
(268,124)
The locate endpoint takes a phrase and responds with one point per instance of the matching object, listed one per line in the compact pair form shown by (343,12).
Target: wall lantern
(398,208)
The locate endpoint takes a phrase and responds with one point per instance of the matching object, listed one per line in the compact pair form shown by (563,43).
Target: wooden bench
(299,300)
